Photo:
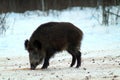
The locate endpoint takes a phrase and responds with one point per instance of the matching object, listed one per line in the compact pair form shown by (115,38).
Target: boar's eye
(33,51)
(37,44)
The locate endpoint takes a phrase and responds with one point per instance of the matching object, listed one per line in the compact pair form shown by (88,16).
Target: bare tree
(107,12)
(3,24)
(105,15)
(43,5)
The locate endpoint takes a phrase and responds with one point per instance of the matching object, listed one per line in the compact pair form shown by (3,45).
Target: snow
(96,36)
(100,43)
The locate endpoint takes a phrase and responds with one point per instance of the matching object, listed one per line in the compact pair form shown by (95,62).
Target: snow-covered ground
(100,47)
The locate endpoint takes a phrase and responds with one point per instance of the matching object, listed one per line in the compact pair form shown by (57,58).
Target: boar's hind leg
(73,58)
(76,55)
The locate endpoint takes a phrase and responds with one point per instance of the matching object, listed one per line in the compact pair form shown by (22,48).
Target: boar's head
(36,55)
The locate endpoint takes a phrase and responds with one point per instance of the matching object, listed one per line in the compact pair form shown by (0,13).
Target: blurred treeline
(45,5)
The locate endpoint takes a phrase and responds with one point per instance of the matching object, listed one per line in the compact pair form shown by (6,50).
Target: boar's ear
(37,44)
(26,44)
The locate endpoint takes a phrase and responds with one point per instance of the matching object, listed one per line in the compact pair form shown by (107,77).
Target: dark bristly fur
(53,37)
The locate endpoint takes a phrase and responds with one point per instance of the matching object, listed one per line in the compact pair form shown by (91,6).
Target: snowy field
(100,47)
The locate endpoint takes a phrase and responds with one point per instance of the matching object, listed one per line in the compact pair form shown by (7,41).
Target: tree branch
(113,13)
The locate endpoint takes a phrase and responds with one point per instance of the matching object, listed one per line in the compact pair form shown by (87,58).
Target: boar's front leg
(46,62)
(49,54)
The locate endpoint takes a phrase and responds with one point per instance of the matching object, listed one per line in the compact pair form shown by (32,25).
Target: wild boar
(53,37)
